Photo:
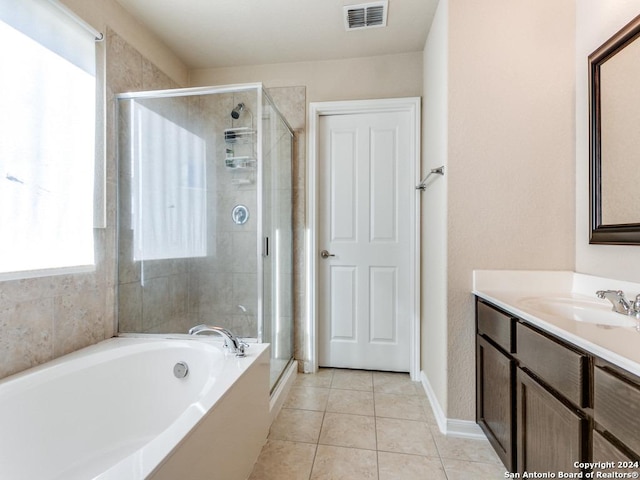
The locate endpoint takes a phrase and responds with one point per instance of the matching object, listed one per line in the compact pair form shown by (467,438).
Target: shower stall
(205,215)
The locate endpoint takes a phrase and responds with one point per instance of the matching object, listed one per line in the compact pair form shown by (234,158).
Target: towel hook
(434,171)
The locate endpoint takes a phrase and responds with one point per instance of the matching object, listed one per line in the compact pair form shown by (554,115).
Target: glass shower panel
(277,228)
(164,211)
(184,258)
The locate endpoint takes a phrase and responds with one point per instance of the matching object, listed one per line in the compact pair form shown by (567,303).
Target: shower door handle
(326,254)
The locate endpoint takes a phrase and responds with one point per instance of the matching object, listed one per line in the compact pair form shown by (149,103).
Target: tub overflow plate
(180,369)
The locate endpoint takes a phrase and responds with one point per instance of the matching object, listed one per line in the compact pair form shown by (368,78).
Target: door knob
(325,254)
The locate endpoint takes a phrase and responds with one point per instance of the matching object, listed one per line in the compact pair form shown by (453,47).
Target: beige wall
(434,207)
(595,23)
(385,76)
(510,169)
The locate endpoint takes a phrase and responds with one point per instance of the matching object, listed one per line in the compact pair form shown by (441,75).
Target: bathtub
(117,411)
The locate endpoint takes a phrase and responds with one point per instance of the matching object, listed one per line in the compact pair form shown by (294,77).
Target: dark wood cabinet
(551,436)
(495,380)
(495,400)
(546,405)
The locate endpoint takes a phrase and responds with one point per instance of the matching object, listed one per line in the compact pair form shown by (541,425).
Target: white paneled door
(366,170)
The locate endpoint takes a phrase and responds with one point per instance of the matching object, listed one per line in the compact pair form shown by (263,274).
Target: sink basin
(578,309)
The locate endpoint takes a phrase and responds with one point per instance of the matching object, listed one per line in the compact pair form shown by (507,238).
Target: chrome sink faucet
(233,343)
(620,303)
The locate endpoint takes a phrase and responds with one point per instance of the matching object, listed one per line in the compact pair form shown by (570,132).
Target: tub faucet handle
(241,346)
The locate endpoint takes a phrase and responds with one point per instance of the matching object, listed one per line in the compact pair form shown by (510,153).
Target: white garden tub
(116,411)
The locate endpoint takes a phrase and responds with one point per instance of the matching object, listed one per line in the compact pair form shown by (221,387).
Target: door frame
(352,107)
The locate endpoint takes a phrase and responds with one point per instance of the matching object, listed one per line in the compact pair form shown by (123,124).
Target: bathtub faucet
(233,343)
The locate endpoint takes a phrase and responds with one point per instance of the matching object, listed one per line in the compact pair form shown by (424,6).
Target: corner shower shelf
(240,152)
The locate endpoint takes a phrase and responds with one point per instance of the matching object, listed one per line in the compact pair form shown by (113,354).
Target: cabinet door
(495,374)
(550,435)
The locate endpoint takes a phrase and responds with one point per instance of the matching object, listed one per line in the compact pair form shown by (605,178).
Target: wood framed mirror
(614,137)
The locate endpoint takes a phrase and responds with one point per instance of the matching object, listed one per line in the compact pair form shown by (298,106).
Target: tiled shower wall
(44,318)
(223,286)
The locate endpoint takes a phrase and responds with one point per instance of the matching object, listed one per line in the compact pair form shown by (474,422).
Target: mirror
(614,73)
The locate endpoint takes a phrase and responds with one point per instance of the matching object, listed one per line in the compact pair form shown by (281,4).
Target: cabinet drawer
(604,452)
(559,366)
(495,325)
(617,407)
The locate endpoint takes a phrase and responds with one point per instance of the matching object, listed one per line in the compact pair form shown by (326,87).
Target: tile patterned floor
(353,425)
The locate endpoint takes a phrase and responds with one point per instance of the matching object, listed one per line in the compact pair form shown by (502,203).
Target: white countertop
(512,290)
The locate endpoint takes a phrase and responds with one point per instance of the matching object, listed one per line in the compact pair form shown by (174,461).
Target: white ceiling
(224,33)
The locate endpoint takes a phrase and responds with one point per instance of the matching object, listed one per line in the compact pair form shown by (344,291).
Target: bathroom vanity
(558,373)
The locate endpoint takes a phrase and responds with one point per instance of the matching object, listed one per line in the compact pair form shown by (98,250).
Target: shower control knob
(326,254)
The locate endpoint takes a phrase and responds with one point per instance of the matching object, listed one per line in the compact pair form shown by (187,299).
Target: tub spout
(233,343)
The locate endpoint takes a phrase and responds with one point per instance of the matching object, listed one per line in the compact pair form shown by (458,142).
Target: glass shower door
(277,241)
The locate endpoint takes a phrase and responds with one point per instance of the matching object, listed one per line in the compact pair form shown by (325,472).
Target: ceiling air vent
(365,15)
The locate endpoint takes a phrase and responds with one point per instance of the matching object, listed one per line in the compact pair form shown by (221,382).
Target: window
(47,140)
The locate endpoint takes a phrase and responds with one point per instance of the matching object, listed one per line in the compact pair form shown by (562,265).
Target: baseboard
(450,426)
(281,391)
(464,429)
(435,405)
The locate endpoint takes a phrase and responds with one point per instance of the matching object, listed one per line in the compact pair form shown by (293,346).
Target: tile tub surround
(353,424)
(508,288)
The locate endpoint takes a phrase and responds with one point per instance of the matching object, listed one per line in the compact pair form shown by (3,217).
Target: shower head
(235,113)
